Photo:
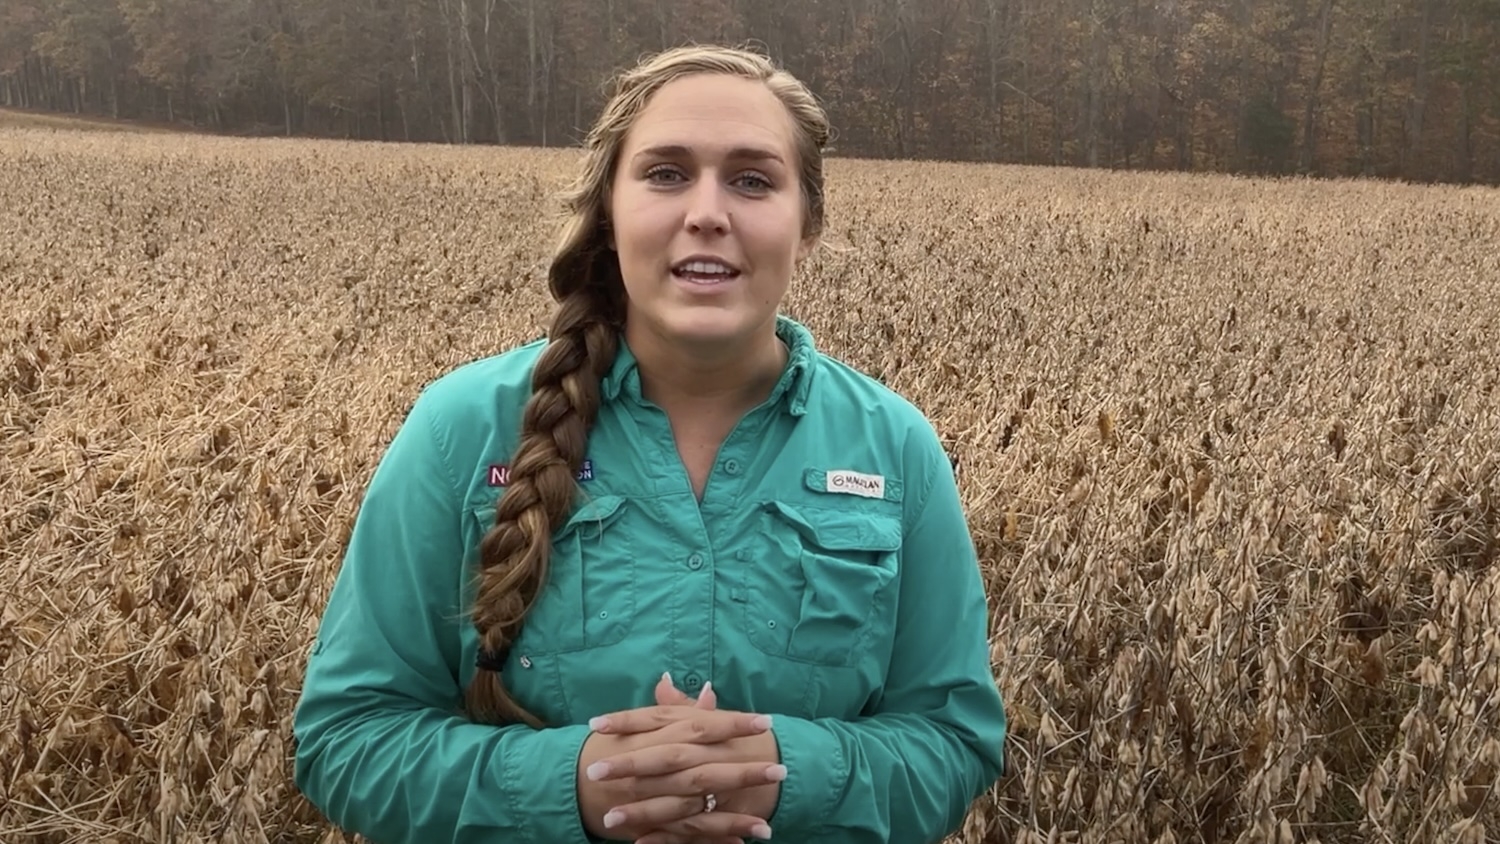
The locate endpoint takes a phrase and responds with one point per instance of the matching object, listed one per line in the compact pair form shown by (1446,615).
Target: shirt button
(742,554)
(692,681)
(732,466)
(695,561)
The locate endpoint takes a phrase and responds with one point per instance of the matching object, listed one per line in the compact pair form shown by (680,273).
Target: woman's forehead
(713,116)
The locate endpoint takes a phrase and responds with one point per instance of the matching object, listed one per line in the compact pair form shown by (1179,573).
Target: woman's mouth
(705,272)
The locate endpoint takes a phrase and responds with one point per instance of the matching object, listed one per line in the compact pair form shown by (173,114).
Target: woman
(674,487)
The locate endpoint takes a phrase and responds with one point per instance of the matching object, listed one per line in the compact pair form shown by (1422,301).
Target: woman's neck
(707,379)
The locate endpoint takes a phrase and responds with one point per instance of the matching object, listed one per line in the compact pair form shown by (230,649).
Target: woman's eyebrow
(738,153)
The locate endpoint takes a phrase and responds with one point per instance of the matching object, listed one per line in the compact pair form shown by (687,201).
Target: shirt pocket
(589,597)
(831,579)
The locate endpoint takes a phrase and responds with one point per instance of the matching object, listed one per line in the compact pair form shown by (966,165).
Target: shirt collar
(791,390)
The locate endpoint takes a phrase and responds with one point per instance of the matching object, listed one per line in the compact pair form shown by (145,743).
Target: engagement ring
(710,802)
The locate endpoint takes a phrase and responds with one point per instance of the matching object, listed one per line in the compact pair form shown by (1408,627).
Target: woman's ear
(806,248)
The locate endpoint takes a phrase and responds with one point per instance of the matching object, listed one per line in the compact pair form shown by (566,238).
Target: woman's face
(706,212)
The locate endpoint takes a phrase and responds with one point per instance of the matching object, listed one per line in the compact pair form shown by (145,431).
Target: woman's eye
(665,174)
(756,182)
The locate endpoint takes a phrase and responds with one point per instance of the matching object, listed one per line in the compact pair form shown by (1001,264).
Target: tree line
(1404,89)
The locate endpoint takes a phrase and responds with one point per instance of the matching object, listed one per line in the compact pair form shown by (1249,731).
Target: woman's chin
(707,328)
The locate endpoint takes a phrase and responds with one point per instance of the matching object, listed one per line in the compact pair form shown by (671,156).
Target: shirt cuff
(543,784)
(816,774)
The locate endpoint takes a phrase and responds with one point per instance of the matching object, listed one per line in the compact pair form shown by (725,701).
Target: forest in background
(1406,89)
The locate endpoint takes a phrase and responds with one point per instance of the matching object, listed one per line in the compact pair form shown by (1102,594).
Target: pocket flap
(842,530)
(594,511)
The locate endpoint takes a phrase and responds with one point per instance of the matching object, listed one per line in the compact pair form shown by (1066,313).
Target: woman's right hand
(722,766)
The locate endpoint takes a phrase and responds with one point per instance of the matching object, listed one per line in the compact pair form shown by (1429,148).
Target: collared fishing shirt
(826,577)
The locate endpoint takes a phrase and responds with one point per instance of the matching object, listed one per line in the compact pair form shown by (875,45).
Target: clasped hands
(643,773)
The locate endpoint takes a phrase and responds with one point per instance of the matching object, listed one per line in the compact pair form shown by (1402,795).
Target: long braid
(515,552)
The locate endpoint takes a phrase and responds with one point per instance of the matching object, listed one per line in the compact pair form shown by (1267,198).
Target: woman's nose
(707,210)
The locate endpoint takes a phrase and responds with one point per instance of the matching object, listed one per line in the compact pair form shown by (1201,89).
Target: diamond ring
(710,802)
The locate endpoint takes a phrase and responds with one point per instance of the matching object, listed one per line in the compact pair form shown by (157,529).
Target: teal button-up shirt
(827,578)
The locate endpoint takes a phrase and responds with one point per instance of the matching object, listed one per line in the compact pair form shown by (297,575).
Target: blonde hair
(584,279)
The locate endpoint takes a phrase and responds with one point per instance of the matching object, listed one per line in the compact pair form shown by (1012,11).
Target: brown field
(1231,451)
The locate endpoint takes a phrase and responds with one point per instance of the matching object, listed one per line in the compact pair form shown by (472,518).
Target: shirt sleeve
(911,770)
(382,748)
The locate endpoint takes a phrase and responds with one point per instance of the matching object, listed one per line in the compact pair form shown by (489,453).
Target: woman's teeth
(705,272)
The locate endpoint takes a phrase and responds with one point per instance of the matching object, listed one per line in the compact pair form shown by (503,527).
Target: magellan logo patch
(856,483)
(499,474)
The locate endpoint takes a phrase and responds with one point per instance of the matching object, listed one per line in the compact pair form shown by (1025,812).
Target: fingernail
(667,675)
(761,831)
(614,818)
(598,722)
(707,687)
(776,773)
(598,770)
(762,722)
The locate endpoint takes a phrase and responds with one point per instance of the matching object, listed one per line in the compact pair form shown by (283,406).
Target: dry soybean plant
(1229,449)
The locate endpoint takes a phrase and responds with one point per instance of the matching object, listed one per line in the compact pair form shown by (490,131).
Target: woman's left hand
(668,694)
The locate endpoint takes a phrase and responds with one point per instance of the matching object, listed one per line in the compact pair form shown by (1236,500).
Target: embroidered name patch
(850,482)
(856,483)
(499,474)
